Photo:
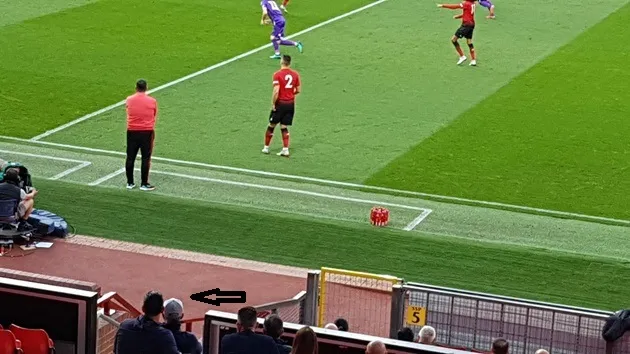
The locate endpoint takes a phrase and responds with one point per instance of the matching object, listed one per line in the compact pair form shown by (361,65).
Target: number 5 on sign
(416,316)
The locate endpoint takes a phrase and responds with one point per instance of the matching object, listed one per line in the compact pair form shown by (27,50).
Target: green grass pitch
(539,123)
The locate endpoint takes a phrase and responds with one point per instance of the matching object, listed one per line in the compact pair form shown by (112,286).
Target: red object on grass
(379,216)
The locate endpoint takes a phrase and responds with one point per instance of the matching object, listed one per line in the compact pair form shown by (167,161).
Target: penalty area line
(415,222)
(107,178)
(203,71)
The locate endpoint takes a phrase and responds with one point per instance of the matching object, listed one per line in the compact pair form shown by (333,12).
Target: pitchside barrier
(381,305)
(474,320)
(218,324)
(363,299)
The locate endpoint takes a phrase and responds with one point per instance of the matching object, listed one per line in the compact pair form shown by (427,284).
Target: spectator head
(331,326)
(500,346)
(273,326)
(153,305)
(427,335)
(12,175)
(141,85)
(342,324)
(246,319)
(542,351)
(173,311)
(405,334)
(376,347)
(305,342)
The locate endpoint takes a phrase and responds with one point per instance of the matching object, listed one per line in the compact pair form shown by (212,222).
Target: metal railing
(290,310)
(474,320)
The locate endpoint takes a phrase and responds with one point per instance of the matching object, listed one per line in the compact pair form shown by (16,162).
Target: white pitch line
(107,178)
(289,190)
(436,197)
(70,170)
(43,156)
(203,71)
(415,222)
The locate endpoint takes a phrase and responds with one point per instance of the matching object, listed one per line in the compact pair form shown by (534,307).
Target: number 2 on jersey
(274,6)
(289,79)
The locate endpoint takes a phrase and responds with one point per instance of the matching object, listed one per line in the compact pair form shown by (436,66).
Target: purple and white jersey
(273,11)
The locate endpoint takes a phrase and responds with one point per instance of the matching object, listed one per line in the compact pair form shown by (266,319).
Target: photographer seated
(9,191)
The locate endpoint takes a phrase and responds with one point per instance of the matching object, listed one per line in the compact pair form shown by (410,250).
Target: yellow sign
(416,316)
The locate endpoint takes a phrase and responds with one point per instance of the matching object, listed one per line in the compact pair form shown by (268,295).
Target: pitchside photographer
(14,188)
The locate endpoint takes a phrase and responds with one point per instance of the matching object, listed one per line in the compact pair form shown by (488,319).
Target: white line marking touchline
(437,197)
(412,225)
(70,170)
(107,178)
(203,71)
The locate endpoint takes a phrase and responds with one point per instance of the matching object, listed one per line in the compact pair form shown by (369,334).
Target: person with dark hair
(342,324)
(286,86)
(500,346)
(173,314)
(141,116)
(406,334)
(305,341)
(246,341)
(10,191)
(144,334)
(274,327)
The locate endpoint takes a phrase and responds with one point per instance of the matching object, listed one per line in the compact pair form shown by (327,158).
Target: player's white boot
(473,63)
(461,60)
(284,8)
(284,152)
(265,150)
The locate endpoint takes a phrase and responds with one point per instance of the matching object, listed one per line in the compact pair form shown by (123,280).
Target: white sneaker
(461,60)
(131,186)
(473,63)
(284,8)
(265,150)
(284,153)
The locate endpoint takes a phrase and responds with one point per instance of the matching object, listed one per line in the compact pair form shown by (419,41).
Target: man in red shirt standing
(465,30)
(141,114)
(286,85)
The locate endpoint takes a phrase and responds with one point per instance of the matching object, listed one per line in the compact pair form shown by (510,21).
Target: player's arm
(298,85)
(276,92)
(265,16)
(458,16)
(450,6)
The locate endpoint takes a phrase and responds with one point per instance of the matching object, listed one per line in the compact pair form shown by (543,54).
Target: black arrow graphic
(222,297)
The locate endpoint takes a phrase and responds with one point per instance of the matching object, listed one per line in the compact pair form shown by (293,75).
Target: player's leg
(275,40)
(273,121)
(133,146)
(490,6)
(146,149)
(287,42)
(284,5)
(471,47)
(288,111)
(458,48)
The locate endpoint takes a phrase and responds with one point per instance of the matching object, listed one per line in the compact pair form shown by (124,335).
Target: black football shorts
(283,114)
(465,31)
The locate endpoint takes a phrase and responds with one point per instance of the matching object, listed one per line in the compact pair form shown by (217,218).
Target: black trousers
(139,141)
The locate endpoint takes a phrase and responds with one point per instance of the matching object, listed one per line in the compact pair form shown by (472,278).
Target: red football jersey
(468,17)
(289,81)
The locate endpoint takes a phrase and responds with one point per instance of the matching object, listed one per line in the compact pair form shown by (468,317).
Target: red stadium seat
(8,343)
(34,341)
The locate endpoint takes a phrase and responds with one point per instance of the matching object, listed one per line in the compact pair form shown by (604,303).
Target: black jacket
(248,342)
(616,325)
(187,342)
(283,347)
(144,336)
